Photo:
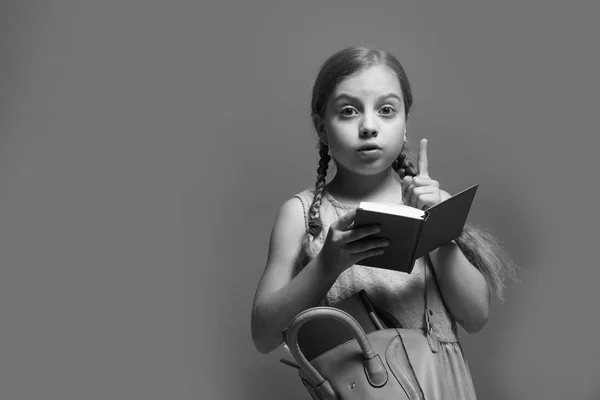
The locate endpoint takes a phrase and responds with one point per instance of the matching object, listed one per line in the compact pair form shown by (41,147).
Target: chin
(371,171)
(375,167)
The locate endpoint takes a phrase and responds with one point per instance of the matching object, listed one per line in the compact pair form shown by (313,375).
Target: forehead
(369,82)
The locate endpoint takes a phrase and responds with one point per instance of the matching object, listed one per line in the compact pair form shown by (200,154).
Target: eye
(347,111)
(387,110)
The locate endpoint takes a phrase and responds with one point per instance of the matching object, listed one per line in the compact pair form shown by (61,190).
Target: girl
(360,103)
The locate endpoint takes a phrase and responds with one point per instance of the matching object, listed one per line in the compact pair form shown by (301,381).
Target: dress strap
(305,198)
(432,338)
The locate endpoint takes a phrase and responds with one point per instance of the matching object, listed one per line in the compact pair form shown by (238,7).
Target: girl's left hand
(421,191)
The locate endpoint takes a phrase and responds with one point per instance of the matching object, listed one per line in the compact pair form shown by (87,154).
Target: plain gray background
(146,147)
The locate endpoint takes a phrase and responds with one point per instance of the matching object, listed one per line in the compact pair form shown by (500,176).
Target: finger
(427,198)
(366,245)
(419,181)
(423,201)
(356,234)
(344,221)
(426,201)
(409,193)
(413,185)
(419,192)
(405,183)
(423,181)
(366,254)
(414,196)
(422,163)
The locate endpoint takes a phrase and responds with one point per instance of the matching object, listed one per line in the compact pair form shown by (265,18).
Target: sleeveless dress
(398,296)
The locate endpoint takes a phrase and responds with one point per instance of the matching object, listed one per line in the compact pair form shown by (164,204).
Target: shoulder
(304,199)
(306,196)
(285,242)
(290,222)
(291,210)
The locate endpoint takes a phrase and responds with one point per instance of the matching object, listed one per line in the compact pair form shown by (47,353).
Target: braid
(314,222)
(402,165)
(481,248)
(315,225)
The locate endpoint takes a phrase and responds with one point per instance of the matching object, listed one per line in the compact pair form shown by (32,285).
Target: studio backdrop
(146,147)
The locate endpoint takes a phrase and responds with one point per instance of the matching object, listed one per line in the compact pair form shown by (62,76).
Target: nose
(368,127)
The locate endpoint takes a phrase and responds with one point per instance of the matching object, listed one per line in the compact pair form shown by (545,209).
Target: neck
(351,188)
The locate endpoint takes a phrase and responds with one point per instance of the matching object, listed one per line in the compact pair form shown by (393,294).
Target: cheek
(339,134)
(337,149)
(400,125)
(396,131)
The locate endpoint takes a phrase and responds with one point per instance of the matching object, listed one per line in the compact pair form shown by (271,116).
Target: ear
(320,127)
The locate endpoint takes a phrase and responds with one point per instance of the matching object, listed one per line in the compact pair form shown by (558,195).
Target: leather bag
(392,363)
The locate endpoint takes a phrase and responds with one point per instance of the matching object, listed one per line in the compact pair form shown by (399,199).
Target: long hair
(480,247)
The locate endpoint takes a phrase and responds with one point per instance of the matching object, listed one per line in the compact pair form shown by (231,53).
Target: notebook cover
(445,221)
(403,234)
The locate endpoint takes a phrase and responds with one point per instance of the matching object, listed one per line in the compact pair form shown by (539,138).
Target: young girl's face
(364,124)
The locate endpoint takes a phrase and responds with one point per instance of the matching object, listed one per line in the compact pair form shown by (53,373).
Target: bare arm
(279,298)
(280,295)
(464,289)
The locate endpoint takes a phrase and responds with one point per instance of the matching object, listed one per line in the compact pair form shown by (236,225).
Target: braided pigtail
(315,225)
(480,247)
(402,165)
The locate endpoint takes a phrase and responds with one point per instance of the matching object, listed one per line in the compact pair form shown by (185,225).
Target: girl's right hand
(345,246)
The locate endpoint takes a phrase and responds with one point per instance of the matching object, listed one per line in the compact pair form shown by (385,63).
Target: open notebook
(413,232)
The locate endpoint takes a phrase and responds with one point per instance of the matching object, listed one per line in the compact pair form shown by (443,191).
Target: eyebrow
(385,96)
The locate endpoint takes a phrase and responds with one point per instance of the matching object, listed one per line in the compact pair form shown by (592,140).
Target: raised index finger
(422,159)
